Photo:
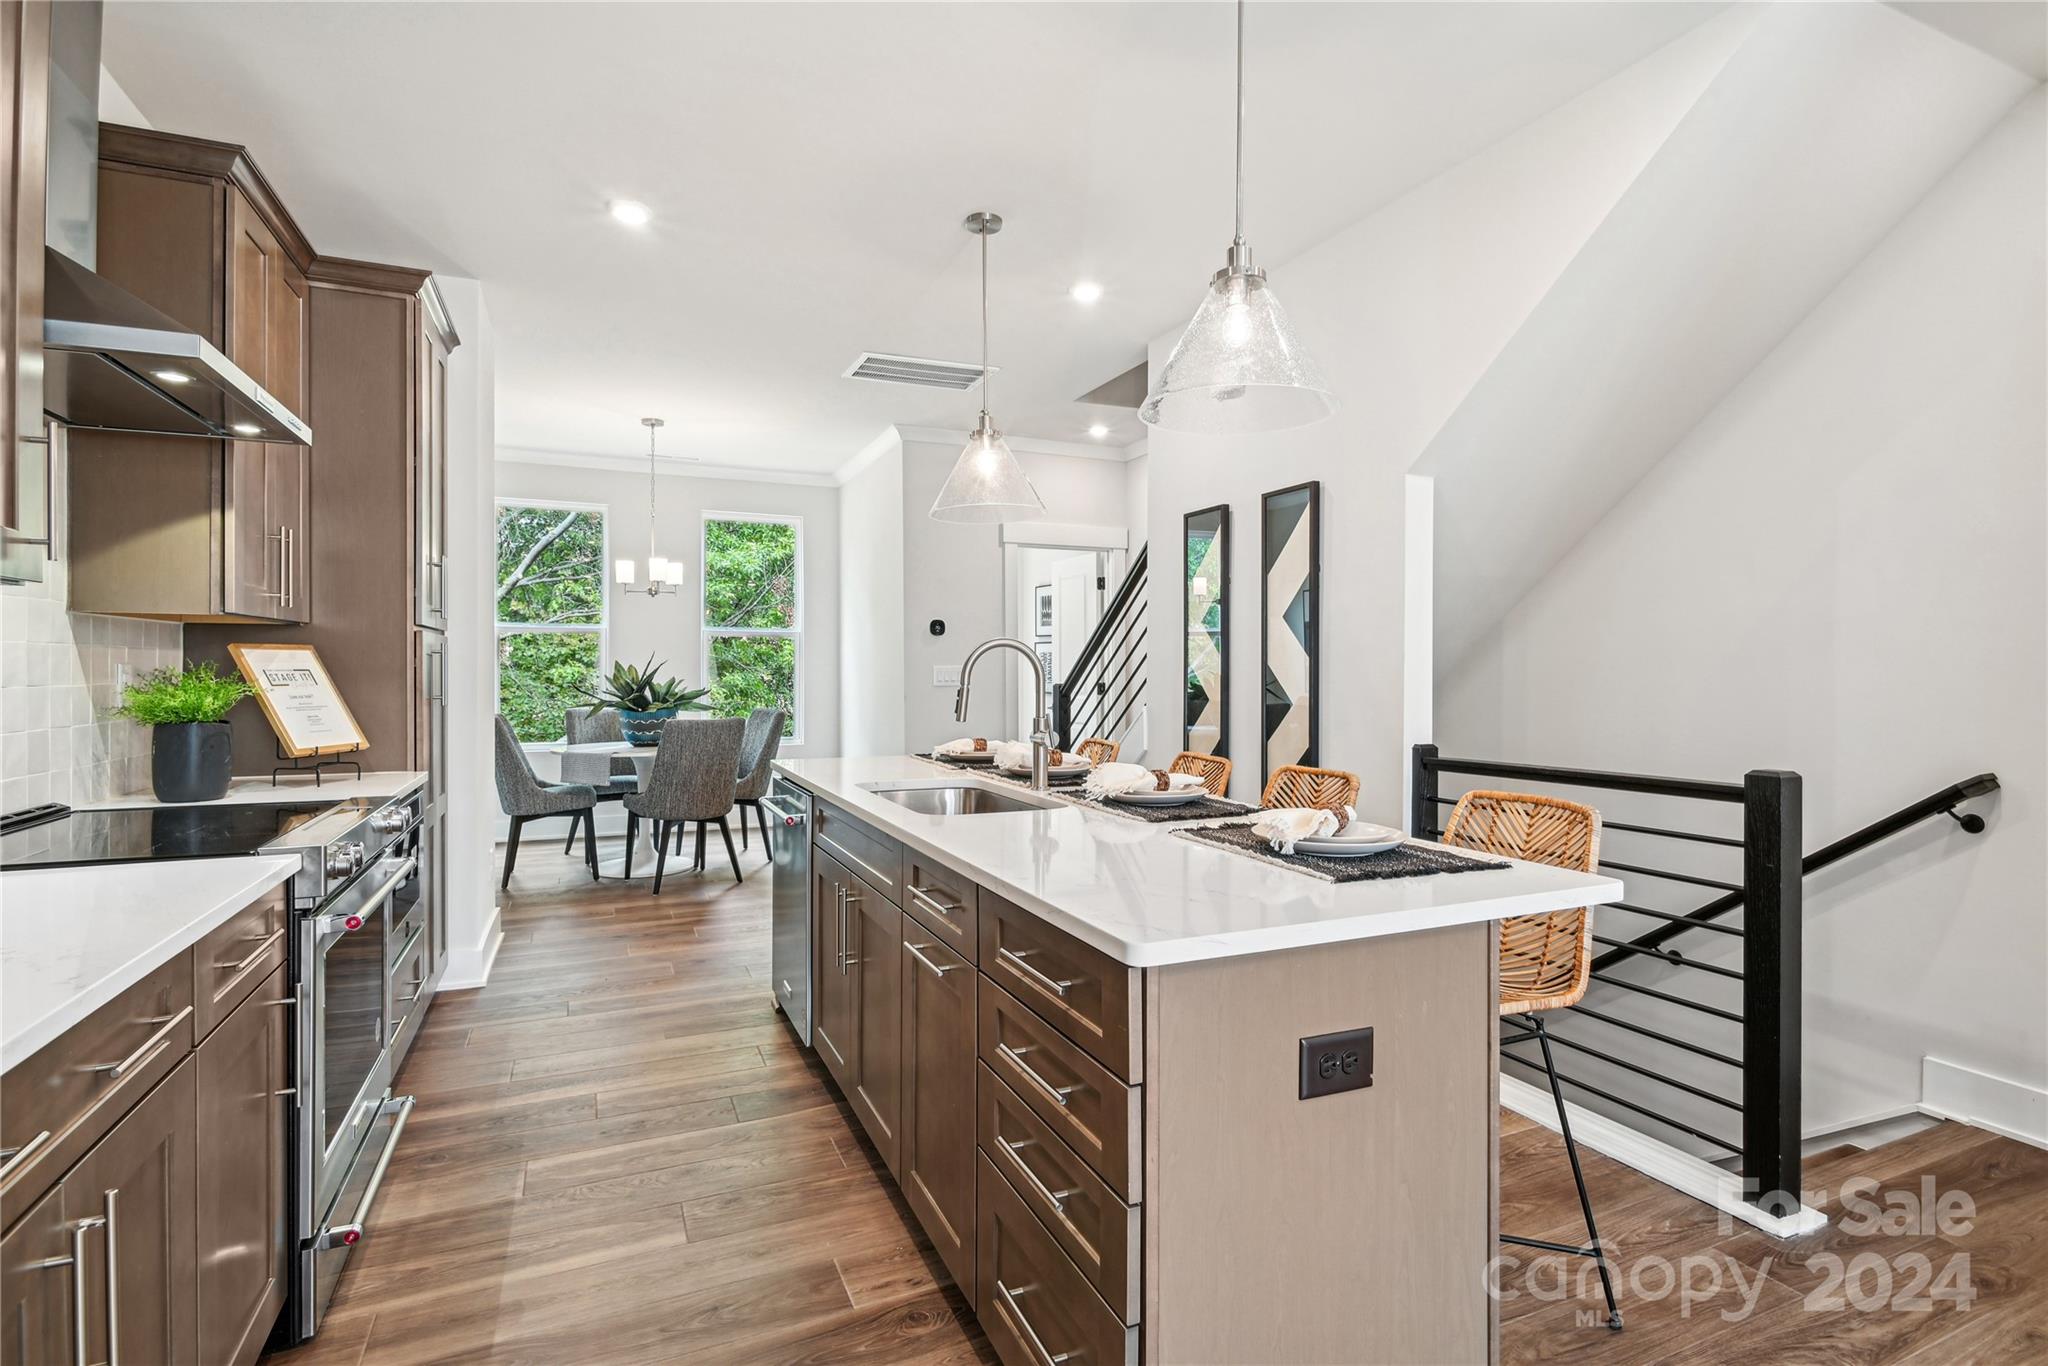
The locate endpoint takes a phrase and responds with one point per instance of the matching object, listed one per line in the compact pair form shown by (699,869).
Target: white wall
(670,627)
(1840,571)
(871,602)
(955,573)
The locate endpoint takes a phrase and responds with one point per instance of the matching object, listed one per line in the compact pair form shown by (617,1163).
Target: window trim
(707,633)
(602,628)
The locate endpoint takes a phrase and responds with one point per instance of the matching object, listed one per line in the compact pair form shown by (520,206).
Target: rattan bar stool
(1545,960)
(1212,769)
(1296,785)
(1097,751)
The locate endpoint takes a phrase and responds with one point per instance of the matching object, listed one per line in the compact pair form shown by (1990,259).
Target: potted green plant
(186,709)
(645,700)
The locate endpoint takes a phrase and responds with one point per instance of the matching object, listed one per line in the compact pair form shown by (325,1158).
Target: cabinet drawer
(1033,1303)
(942,901)
(230,961)
(1097,1230)
(872,855)
(63,1098)
(1094,1113)
(1085,994)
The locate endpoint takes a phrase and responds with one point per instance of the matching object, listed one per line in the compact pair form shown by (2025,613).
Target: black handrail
(1113,618)
(1943,802)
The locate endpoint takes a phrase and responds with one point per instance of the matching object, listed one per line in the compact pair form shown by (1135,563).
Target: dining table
(597,763)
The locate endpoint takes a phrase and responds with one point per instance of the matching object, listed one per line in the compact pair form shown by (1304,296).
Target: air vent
(927,374)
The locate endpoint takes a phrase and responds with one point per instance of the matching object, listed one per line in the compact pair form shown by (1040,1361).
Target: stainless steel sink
(957,799)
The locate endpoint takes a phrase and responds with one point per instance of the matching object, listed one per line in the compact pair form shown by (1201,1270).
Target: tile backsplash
(60,675)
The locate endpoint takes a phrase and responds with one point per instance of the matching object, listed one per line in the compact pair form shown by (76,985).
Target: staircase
(1103,694)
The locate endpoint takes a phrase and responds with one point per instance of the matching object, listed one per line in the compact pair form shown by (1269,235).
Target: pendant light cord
(650,503)
(1240,123)
(984,324)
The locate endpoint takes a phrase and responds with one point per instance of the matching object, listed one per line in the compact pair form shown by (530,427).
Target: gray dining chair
(524,797)
(758,748)
(600,725)
(694,778)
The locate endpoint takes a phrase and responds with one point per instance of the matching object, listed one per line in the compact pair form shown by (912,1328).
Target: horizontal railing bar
(1698,788)
(1666,956)
(1640,1070)
(1100,703)
(1700,1006)
(1715,926)
(1642,1110)
(1717,885)
(1606,824)
(1650,1033)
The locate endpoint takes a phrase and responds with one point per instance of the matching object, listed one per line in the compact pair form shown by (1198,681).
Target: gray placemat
(1407,860)
(1205,809)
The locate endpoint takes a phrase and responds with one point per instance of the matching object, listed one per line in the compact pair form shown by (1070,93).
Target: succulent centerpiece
(645,700)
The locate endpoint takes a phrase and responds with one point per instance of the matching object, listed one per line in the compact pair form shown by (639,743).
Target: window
(551,613)
(753,614)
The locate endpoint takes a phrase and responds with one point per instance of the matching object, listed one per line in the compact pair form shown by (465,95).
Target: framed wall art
(1205,544)
(1290,543)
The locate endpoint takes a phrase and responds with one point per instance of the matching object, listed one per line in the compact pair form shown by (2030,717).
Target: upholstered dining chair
(695,777)
(1212,769)
(524,797)
(758,748)
(1296,785)
(1546,960)
(1098,751)
(600,725)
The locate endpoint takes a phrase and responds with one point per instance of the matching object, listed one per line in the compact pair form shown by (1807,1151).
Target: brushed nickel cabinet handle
(78,1232)
(917,952)
(1015,1057)
(261,949)
(1052,984)
(113,1289)
(16,1156)
(932,903)
(1057,1199)
(117,1070)
(1009,1300)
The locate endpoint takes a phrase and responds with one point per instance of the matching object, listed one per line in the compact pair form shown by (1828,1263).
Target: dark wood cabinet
(174,527)
(139,1274)
(24,447)
(833,1030)
(241,1217)
(430,486)
(939,1076)
(876,959)
(35,1278)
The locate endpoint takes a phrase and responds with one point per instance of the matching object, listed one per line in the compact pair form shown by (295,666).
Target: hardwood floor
(620,1154)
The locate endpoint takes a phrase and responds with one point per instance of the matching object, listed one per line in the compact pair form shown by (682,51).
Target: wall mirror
(1290,537)
(1205,543)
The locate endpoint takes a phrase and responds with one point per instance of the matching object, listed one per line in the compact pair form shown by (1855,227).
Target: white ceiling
(808,166)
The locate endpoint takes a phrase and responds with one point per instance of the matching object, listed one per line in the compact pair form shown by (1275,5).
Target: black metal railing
(1758,993)
(1102,690)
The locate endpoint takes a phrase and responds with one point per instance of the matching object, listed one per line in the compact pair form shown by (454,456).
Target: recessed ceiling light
(174,376)
(1098,431)
(1086,292)
(632,213)
(247,428)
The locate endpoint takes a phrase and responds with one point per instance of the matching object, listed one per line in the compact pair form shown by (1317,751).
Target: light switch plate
(945,675)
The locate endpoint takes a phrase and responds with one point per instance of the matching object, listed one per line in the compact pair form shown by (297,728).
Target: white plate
(1357,841)
(986,756)
(1072,768)
(1155,798)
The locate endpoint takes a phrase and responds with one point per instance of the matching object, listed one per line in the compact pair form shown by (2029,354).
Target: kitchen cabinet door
(24,446)
(139,1279)
(833,1030)
(939,1017)
(286,501)
(877,957)
(430,479)
(240,1222)
(253,574)
(35,1277)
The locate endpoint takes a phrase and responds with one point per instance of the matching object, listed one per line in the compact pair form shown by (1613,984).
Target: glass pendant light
(1238,367)
(987,484)
(663,575)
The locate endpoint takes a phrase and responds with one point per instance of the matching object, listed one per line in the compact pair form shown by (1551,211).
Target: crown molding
(1029,445)
(669,466)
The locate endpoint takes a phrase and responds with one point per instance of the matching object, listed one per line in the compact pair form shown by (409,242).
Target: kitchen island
(1125,1080)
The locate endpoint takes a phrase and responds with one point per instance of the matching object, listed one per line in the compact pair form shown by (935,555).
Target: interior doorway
(1057,581)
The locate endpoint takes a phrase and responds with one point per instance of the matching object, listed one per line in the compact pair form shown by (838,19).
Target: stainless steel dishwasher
(789,821)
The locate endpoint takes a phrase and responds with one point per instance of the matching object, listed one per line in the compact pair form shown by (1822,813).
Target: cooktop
(132,834)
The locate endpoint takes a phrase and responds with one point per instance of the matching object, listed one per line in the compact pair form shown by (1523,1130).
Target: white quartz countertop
(1148,898)
(71,939)
(259,790)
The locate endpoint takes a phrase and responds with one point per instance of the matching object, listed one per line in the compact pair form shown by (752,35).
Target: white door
(1076,610)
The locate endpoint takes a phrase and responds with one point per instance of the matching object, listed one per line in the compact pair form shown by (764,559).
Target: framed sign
(1291,551)
(299,700)
(1205,651)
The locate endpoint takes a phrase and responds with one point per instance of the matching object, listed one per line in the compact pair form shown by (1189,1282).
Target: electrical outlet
(1336,1062)
(945,675)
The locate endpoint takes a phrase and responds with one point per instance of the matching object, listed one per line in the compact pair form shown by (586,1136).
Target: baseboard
(470,968)
(2012,1109)
(1684,1173)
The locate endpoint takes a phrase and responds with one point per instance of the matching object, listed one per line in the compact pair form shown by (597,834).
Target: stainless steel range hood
(110,361)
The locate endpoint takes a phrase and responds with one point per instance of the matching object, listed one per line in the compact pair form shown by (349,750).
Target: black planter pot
(190,763)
